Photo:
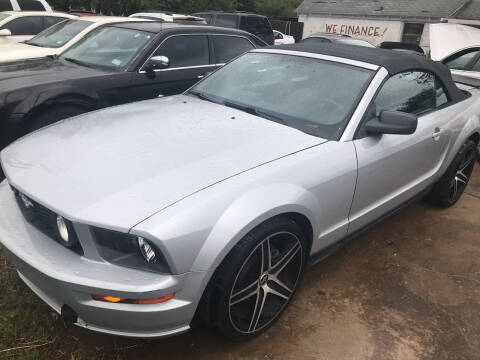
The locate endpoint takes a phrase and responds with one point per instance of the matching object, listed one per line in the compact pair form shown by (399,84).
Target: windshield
(3,16)
(311,95)
(59,34)
(110,47)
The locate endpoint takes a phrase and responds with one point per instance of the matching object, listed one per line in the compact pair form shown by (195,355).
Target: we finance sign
(374,31)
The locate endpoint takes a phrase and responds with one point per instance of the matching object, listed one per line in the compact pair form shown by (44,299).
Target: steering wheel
(330,103)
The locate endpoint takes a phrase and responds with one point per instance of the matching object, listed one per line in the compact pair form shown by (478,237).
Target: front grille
(42,218)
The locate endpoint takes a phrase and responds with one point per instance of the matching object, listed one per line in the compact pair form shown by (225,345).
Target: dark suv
(253,23)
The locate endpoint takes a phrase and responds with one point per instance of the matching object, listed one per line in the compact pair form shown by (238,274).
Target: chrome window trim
(321,57)
(370,93)
(190,67)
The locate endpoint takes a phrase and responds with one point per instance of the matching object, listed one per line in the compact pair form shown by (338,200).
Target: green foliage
(271,8)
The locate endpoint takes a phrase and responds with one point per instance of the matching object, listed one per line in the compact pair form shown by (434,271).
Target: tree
(270,8)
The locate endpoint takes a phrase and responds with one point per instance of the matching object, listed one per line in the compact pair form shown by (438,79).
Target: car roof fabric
(393,61)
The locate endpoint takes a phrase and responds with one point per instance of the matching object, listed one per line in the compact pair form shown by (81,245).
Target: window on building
(412,33)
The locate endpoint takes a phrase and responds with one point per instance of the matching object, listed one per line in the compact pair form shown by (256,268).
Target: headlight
(130,251)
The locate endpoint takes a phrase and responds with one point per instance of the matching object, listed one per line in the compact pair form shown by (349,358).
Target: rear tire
(448,190)
(246,295)
(54,114)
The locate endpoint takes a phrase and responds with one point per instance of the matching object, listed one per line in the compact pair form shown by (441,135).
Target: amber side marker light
(113,299)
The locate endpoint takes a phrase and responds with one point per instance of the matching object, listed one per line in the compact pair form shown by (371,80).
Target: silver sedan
(133,219)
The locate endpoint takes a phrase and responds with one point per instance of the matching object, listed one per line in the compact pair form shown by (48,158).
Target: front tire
(257,279)
(448,190)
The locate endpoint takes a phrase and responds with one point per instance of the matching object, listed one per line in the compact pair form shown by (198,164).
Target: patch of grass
(27,326)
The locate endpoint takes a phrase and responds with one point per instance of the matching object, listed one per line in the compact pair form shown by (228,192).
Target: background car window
(52,20)
(259,26)
(109,46)
(28,25)
(278,35)
(462,60)
(59,34)
(228,47)
(185,50)
(5,5)
(411,92)
(229,21)
(476,66)
(30,5)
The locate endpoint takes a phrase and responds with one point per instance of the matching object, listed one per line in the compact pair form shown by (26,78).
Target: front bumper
(61,277)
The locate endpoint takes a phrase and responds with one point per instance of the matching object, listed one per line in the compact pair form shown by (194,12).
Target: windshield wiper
(34,44)
(255,111)
(78,62)
(203,96)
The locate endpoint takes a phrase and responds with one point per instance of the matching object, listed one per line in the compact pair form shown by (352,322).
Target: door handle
(437,134)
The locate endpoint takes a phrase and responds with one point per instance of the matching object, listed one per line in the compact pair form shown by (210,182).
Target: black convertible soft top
(393,61)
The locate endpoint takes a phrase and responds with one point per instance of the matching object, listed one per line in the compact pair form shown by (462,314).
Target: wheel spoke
(275,292)
(469,158)
(277,281)
(245,293)
(454,187)
(258,309)
(266,256)
(461,178)
(280,265)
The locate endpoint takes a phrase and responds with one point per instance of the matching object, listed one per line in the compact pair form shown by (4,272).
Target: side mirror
(5,32)
(157,62)
(392,122)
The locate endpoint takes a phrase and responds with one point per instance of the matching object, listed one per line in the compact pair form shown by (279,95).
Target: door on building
(412,33)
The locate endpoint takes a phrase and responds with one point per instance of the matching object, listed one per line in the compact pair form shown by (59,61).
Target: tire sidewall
(227,273)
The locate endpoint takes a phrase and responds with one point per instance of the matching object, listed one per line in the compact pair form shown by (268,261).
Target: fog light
(116,300)
(146,249)
(62,229)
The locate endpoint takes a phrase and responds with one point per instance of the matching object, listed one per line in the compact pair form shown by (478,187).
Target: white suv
(24,5)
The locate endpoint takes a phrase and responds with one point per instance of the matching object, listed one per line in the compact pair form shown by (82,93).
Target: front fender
(249,211)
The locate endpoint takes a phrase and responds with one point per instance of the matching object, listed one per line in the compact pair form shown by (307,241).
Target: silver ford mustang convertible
(134,219)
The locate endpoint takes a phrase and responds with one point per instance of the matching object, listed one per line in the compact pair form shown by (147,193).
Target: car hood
(116,167)
(32,72)
(446,39)
(12,51)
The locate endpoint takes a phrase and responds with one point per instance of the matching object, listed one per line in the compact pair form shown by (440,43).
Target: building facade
(377,21)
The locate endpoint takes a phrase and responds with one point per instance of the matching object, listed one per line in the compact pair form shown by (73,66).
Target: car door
(189,61)
(228,47)
(394,168)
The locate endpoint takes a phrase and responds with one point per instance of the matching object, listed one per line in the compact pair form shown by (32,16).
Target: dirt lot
(407,289)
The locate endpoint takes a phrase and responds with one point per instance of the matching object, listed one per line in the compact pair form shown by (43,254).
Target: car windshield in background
(59,34)
(311,95)
(3,16)
(110,47)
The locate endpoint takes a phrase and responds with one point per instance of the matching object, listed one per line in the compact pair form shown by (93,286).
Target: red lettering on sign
(370,31)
